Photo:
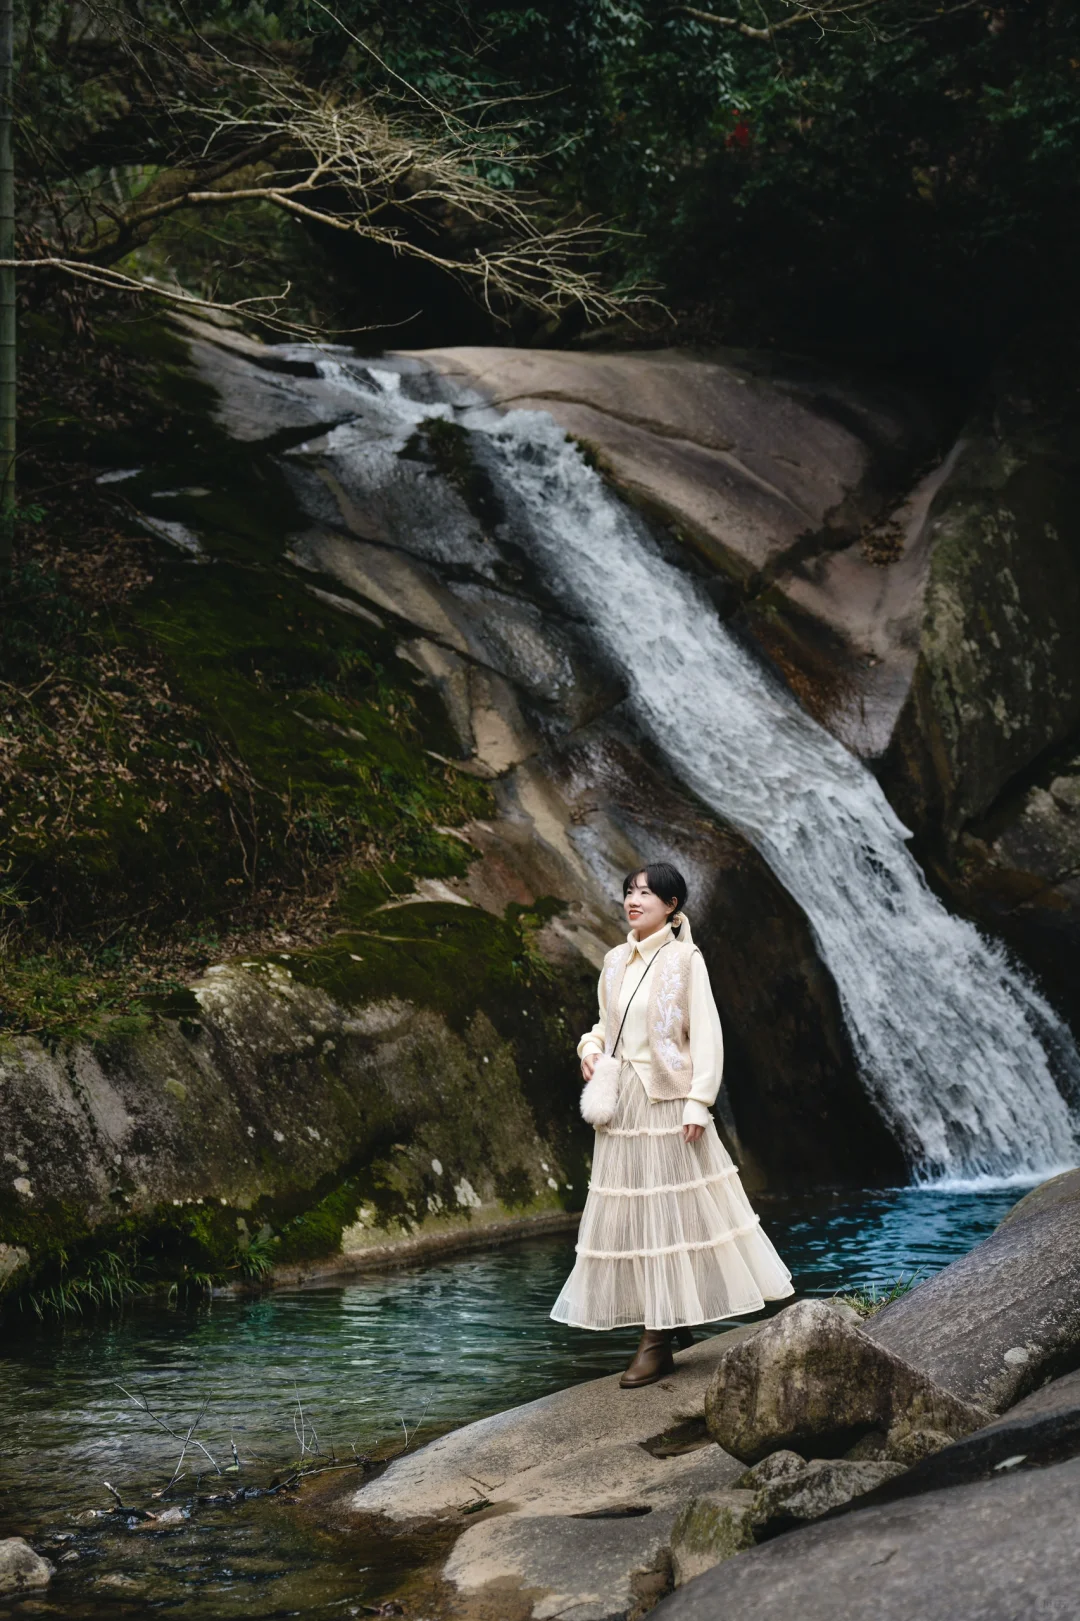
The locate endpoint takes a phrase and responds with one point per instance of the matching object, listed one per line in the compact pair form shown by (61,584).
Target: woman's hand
(588,1064)
(690,1134)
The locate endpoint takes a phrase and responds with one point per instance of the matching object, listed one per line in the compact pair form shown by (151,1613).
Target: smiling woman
(667,1237)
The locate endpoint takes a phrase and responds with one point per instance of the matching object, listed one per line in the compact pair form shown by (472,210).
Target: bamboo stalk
(7,288)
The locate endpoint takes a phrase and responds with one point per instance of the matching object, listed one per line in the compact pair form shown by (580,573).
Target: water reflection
(419,1350)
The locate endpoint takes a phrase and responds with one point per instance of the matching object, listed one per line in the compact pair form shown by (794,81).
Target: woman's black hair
(663,879)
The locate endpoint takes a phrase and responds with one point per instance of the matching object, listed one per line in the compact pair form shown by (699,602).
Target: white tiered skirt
(667,1237)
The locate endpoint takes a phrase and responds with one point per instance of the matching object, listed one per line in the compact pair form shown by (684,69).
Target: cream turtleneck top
(706,1036)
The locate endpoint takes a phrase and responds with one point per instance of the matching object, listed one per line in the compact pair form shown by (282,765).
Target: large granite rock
(810,1380)
(546,1568)
(999,666)
(590,1538)
(749,456)
(998,1550)
(1002,1319)
(21,1569)
(1051,1195)
(983,762)
(246,1110)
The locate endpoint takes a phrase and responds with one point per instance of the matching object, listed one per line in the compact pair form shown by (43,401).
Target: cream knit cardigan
(672,1036)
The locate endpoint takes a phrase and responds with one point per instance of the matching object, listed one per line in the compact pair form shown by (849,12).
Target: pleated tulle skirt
(667,1237)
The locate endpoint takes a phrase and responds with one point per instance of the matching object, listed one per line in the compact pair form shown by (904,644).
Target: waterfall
(957,1048)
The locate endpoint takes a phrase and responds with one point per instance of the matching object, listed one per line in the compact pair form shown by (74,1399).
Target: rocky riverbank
(922,1460)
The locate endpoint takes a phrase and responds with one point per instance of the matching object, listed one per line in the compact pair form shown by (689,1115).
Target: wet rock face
(276,1107)
(1019,869)
(810,1380)
(787,1056)
(999,669)
(998,1322)
(539,714)
(983,761)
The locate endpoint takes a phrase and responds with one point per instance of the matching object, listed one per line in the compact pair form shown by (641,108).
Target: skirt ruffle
(667,1238)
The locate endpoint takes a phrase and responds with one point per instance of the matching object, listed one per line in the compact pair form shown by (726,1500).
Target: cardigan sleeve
(706,1046)
(593,1040)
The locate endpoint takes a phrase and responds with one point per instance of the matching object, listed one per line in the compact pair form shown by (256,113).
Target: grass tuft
(871,1299)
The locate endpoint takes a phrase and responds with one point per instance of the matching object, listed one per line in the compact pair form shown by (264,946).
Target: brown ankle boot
(652,1360)
(683,1337)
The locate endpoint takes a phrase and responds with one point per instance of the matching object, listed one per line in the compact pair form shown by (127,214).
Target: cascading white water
(956,1047)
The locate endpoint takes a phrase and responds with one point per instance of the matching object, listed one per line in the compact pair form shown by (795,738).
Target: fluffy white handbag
(601,1091)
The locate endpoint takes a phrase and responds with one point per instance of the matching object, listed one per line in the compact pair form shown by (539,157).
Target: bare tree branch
(823,17)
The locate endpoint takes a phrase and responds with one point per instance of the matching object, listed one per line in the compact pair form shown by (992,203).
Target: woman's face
(645,912)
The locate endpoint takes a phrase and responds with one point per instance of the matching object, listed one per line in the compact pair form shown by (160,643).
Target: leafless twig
(185,1440)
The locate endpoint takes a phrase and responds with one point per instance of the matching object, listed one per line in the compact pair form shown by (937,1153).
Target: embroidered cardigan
(672,1036)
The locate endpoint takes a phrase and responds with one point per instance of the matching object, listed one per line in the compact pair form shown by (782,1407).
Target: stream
(421,1349)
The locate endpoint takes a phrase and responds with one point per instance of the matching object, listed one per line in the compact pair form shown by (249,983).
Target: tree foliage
(895,173)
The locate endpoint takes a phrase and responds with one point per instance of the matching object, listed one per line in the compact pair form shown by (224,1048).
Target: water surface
(355,1366)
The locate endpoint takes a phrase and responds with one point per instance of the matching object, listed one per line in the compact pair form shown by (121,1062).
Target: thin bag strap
(633,993)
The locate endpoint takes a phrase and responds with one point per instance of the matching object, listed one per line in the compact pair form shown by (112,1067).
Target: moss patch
(195,751)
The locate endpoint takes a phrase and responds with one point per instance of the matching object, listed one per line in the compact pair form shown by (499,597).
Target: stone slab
(488,1458)
(1003,1550)
(576,1570)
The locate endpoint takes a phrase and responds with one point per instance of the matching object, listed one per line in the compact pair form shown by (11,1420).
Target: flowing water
(965,1059)
(419,1350)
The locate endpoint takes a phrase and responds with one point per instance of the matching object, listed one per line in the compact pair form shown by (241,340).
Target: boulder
(782,1465)
(584,1534)
(1042,1429)
(537,1568)
(809,1378)
(999,1321)
(709,1529)
(997,1550)
(21,1569)
(820,1486)
(1050,1195)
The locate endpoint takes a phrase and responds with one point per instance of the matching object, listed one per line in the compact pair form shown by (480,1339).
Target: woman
(667,1237)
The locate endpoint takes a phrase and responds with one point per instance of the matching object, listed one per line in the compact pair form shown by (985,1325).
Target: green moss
(444,445)
(197,755)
